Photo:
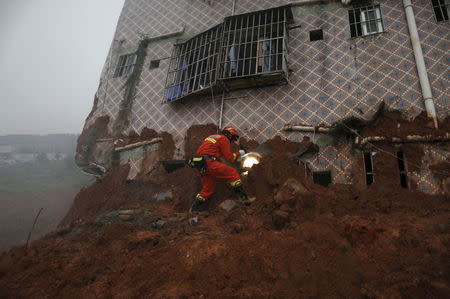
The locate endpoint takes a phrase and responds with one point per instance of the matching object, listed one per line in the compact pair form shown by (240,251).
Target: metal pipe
(420,63)
(407,139)
(234,7)
(305,129)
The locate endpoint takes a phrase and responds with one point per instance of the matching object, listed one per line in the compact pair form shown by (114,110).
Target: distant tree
(6,156)
(41,157)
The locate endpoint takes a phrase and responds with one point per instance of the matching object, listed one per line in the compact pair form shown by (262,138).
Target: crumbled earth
(393,124)
(126,239)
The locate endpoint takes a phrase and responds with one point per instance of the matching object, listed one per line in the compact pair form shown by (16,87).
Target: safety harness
(199,162)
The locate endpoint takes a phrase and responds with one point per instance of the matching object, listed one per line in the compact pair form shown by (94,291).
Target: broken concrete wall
(331,79)
(421,163)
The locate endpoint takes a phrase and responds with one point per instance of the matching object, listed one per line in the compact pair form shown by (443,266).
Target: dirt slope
(136,239)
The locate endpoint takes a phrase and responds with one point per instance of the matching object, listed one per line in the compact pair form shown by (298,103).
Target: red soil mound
(392,124)
(297,239)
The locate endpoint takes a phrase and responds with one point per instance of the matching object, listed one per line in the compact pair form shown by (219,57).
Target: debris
(301,238)
(193,220)
(126,215)
(228,205)
(280,219)
(158,224)
(163,195)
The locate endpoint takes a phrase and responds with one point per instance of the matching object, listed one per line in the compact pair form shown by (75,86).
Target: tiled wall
(331,79)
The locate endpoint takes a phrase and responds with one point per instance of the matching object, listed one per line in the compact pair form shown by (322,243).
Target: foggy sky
(51,56)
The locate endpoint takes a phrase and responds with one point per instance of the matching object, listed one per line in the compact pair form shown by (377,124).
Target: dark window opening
(365,20)
(125,65)
(441,9)
(368,167)
(402,169)
(316,35)
(154,64)
(322,178)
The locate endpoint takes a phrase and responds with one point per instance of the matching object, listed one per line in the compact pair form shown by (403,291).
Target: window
(365,20)
(154,64)
(402,169)
(255,45)
(125,65)
(368,167)
(441,9)
(316,35)
(193,65)
(225,56)
(322,178)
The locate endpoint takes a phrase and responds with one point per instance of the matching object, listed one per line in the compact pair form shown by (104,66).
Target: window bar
(196,62)
(254,52)
(277,47)
(199,69)
(223,54)
(216,53)
(284,53)
(247,61)
(210,39)
(236,47)
(274,43)
(240,62)
(205,59)
(229,44)
(170,67)
(167,78)
(179,66)
(185,74)
(232,44)
(258,34)
(191,67)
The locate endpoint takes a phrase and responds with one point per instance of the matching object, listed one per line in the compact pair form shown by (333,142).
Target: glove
(242,152)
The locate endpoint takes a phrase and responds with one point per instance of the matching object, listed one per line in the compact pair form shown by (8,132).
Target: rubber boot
(197,203)
(241,193)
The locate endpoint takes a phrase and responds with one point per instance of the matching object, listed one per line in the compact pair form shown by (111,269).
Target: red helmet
(231,133)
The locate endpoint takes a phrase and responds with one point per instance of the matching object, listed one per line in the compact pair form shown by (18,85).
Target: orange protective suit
(215,147)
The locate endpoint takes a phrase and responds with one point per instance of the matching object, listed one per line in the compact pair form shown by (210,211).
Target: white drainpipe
(420,63)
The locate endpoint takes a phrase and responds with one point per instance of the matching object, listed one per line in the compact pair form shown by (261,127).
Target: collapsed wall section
(330,80)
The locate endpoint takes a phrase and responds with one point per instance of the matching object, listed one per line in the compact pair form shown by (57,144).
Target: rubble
(297,239)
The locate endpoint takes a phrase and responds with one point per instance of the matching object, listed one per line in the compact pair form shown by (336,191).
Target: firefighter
(207,161)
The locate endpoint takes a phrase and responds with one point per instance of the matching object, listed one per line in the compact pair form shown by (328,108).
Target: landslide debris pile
(129,239)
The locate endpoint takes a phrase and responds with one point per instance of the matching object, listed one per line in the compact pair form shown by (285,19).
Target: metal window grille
(441,9)
(125,65)
(243,46)
(255,44)
(193,65)
(365,20)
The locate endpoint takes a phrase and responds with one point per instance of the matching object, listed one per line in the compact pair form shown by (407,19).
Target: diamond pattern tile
(331,79)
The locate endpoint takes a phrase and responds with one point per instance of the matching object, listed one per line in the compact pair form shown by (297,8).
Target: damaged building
(375,73)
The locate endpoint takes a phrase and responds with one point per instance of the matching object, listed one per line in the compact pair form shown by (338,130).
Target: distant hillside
(53,143)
